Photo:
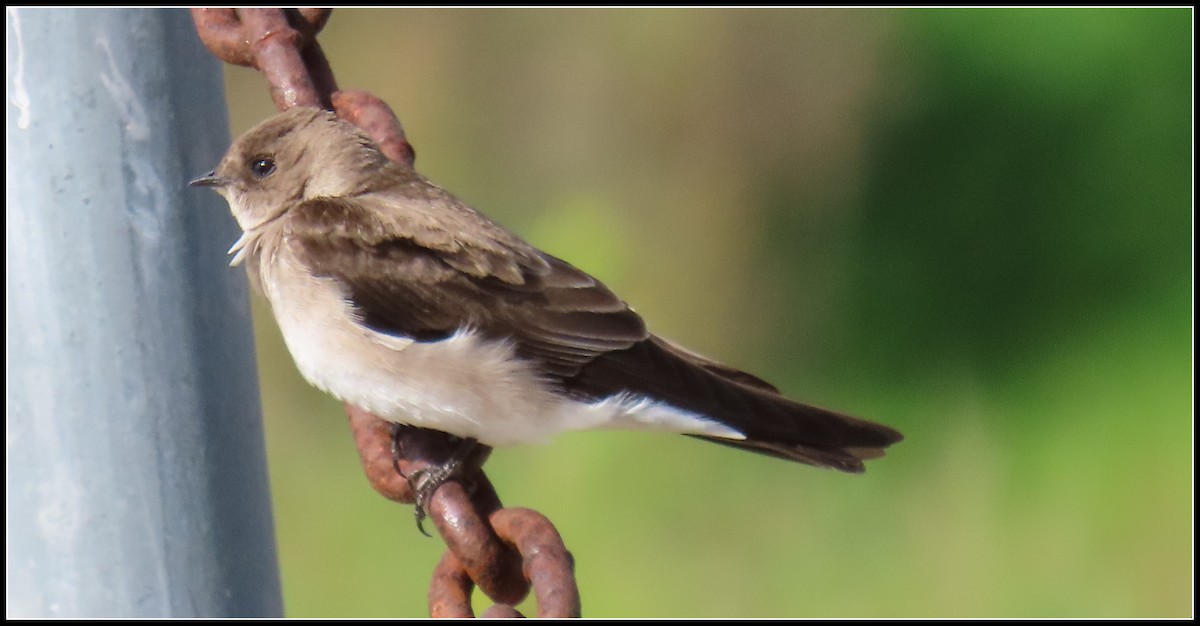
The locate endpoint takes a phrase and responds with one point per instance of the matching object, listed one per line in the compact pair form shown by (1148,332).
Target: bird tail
(773,424)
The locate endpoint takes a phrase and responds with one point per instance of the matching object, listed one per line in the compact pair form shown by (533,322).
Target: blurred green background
(972,225)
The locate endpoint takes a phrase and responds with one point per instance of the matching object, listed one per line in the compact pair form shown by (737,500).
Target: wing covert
(407,279)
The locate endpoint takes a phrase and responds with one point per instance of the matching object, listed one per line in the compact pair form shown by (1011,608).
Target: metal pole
(136,479)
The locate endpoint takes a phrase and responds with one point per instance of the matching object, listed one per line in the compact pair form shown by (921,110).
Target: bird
(395,296)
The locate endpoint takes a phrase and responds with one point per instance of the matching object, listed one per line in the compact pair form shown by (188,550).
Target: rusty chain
(503,551)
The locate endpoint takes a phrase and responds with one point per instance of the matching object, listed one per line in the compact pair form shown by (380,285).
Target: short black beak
(209,180)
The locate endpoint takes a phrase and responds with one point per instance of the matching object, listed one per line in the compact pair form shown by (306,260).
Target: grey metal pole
(136,479)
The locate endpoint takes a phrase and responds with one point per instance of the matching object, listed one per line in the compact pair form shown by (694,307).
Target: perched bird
(395,296)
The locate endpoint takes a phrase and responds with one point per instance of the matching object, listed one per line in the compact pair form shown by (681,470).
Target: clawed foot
(425,482)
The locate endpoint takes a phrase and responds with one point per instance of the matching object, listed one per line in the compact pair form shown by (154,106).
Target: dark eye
(262,167)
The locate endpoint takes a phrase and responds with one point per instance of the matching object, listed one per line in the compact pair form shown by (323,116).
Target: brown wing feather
(413,285)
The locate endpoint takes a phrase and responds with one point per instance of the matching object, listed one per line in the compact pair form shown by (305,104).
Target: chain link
(502,551)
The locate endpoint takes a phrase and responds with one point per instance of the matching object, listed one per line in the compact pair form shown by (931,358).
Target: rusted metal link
(282,45)
(502,551)
(269,41)
(461,519)
(222,32)
(450,593)
(463,525)
(546,563)
(368,112)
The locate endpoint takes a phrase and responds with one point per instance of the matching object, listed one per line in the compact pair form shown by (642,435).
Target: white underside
(464,385)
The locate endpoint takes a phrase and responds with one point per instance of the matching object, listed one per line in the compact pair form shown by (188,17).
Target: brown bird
(395,296)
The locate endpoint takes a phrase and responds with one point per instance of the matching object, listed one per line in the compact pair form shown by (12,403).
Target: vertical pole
(136,479)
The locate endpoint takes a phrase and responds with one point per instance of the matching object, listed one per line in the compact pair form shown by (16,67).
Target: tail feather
(844,459)
(773,424)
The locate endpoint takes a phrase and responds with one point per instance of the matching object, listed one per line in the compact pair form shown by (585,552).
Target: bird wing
(411,277)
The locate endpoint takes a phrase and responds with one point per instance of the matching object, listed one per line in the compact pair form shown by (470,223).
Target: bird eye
(262,167)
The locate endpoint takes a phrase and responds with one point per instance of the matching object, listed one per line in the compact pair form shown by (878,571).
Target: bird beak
(209,180)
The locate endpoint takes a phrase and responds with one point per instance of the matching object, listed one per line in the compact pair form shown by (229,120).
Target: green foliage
(1038,180)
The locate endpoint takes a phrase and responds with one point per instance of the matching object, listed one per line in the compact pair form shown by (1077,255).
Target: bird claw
(426,481)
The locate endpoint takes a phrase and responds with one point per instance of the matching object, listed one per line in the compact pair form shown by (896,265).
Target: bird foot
(426,481)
